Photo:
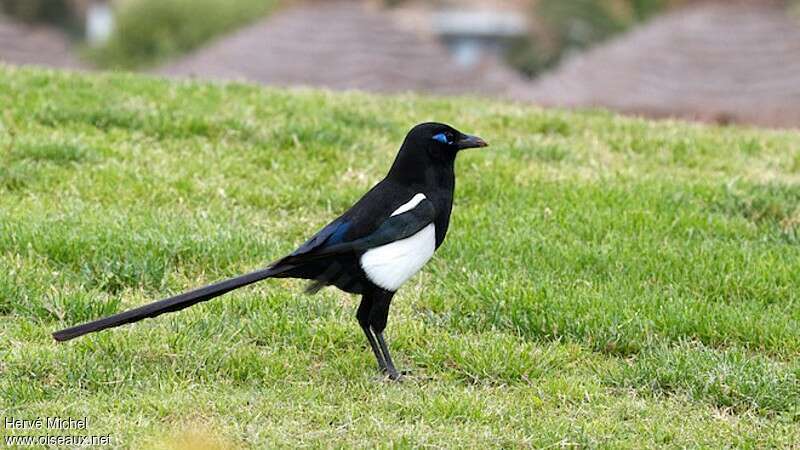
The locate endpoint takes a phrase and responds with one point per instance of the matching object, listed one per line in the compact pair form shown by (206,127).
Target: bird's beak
(468,141)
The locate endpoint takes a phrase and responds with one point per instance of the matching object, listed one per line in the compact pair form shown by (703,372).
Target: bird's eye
(443,138)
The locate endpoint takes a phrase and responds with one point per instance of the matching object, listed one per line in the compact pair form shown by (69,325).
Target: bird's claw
(396,375)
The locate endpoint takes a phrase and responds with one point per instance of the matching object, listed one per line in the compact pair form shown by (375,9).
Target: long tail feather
(171,304)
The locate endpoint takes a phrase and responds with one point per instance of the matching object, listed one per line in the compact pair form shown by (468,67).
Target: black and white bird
(370,250)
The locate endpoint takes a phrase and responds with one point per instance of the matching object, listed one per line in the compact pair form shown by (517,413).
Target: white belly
(391,265)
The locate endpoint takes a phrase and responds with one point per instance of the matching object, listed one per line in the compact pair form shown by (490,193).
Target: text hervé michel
(49,423)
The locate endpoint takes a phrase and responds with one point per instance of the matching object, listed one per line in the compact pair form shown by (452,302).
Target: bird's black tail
(171,304)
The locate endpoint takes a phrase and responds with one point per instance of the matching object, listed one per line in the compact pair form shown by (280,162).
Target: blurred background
(725,61)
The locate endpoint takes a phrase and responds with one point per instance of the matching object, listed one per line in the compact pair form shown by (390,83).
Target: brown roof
(340,45)
(733,61)
(37,45)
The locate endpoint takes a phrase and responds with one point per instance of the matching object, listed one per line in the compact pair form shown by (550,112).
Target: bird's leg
(363,320)
(375,349)
(390,369)
(378,315)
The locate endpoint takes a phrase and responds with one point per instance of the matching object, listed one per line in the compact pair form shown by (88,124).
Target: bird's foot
(396,375)
(391,373)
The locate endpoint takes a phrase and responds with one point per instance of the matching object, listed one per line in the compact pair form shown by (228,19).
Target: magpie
(371,250)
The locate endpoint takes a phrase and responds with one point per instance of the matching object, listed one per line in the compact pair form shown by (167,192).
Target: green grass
(607,281)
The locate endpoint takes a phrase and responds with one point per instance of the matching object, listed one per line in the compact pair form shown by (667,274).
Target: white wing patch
(409,205)
(391,265)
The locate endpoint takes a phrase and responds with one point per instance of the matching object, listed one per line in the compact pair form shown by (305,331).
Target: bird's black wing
(394,228)
(333,233)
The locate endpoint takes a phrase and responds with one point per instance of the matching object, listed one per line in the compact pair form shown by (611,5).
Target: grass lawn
(607,281)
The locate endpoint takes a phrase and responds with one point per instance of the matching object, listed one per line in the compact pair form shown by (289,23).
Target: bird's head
(440,140)
(428,146)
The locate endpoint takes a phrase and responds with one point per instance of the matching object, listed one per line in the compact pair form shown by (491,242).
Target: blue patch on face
(441,138)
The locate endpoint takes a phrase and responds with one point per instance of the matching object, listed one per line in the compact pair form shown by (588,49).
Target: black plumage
(370,250)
